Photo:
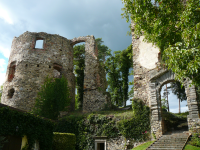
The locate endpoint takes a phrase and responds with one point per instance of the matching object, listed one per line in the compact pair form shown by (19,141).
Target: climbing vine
(22,123)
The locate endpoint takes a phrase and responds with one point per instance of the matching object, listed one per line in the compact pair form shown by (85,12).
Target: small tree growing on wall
(53,97)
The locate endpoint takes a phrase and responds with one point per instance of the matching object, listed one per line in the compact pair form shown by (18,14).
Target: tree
(117,67)
(174,26)
(165,97)
(164,104)
(126,62)
(52,98)
(179,91)
(79,66)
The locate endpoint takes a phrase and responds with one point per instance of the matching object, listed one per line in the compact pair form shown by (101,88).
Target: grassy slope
(190,147)
(143,146)
(147,144)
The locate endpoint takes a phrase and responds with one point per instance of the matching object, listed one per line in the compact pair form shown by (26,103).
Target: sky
(68,18)
(174,102)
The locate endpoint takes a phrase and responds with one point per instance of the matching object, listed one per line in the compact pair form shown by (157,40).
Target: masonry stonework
(150,76)
(29,66)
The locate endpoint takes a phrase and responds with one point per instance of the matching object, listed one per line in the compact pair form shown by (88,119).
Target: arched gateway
(155,85)
(149,77)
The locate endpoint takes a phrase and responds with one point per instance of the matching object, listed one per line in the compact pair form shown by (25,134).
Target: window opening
(100,143)
(100,146)
(37,65)
(11,73)
(11,93)
(39,43)
(57,70)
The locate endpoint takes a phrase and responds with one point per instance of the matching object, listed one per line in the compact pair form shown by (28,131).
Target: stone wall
(145,58)
(150,76)
(29,66)
(121,143)
(118,143)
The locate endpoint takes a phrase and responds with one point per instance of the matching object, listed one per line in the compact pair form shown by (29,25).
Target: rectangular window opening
(39,44)
(100,146)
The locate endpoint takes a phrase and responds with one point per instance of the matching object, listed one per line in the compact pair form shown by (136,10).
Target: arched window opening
(39,43)
(11,73)
(11,93)
(57,70)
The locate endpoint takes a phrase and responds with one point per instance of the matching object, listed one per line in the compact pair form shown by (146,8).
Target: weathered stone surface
(150,76)
(120,143)
(29,66)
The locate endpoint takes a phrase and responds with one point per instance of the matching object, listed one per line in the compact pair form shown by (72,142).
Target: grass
(147,144)
(190,147)
(143,146)
(125,114)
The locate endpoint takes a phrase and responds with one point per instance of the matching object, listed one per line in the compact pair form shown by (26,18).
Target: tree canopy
(53,97)
(173,26)
(79,66)
(117,68)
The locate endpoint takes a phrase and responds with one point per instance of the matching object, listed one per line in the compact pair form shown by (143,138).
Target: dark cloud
(70,19)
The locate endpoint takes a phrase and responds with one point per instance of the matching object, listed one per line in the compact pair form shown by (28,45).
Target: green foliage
(195,140)
(117,67)
(35,128)
(2,141)
(79,66)
(137,127)
(143,146)
(178,90)
(110,124)
(174,26)
(164,104)
(52,98)
(63,141)
(172,120)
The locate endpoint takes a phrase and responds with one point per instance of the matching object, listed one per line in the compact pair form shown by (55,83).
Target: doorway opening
(174,108)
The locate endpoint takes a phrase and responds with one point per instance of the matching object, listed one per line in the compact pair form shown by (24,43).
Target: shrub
(195,140)
(52,98)
(64,141)
(35,128)
(137,127)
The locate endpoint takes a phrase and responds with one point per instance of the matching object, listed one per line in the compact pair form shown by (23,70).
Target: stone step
(168,142)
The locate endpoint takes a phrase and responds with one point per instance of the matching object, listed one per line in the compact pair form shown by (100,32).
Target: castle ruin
(150,76)
(28,66)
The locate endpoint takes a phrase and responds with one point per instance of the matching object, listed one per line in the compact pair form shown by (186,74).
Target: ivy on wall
(87,127)
(21,123)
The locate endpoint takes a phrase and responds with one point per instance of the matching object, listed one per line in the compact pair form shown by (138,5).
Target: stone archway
(93,99)
(155,85)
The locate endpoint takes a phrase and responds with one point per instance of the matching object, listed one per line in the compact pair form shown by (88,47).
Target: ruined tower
(28,66)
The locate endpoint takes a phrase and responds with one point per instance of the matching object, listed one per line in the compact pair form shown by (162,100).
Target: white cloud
(5,15)
(2,65)
(2,78)
(5,51)
(2,71)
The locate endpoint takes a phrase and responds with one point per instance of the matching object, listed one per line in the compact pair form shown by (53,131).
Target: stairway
(170,142)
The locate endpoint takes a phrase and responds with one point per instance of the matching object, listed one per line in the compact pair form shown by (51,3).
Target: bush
(35,128)
(64,141)
(53,97)
(195,140)
(139,126)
